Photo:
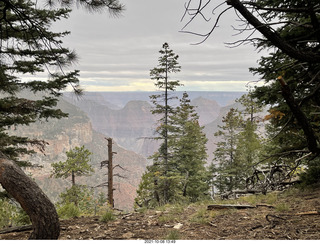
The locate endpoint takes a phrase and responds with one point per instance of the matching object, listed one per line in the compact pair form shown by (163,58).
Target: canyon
(126,118)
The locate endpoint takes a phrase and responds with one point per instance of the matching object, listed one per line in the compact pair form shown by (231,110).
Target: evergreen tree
(75,165)
(188,178)
(225,153)
(168,64)
(188,143)
(249,146)
(290,71)
(27,48)
(240,147)
(148,192)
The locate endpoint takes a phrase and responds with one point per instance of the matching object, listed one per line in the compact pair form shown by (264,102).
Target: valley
(92,118)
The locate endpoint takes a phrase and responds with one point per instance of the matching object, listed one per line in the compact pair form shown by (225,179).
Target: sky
(117,53)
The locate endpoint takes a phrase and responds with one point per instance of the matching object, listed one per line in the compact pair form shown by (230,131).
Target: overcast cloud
(116,54)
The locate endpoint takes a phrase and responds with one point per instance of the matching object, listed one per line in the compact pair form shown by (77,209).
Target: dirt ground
(291,217)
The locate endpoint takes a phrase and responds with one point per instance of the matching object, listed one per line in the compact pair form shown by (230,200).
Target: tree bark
(43,215)
(110,173)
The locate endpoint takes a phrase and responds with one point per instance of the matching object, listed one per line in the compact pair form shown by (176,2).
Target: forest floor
(288,215)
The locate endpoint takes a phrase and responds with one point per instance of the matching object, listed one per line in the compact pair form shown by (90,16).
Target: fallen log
(228,206)
(308,213)
(264,205)
(16,229)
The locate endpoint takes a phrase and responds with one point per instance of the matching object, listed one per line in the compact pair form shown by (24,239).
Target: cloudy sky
(116,54)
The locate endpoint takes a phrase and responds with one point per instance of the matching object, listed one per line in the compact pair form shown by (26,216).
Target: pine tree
(249,142)
(225,154)
(187,177)
(75,165)
(188,143)
(240,146)
(168,64)
(27,48)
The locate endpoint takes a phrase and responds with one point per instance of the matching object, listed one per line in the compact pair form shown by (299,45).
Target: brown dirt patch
(196,223)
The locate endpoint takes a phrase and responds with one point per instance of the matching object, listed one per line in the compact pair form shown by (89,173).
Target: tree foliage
(239,147)
(185,177)
(75,165)
(188,145)
(291,34)
(28,48)
(225,154)
(167,64)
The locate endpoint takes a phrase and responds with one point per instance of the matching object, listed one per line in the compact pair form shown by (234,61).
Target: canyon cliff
(133,125)
(91,119)
(76,130)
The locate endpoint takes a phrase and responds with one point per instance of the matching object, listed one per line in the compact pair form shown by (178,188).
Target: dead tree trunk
(110,173)
(43,215)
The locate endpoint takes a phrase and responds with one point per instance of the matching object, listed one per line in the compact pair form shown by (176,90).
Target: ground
(290,215)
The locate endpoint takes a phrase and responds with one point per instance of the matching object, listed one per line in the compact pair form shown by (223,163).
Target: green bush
(7,213)
(311,175)
(173,235)
(107,216)
(81,196)
(68,211)
(22,218)
(11,214)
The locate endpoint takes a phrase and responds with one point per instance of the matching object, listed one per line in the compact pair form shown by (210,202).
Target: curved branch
(206,36)
(198,11)
(272,36)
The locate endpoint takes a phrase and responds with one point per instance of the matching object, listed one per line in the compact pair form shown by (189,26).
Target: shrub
(107,216)
(22,218)
(311,175)
(68,211)
(11,214)
(282,207)
(7,212)
(173,235)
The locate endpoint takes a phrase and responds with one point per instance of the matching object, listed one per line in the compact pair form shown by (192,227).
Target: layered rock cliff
(133,125)
(76,130)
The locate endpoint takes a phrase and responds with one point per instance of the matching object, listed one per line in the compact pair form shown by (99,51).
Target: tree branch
(300,117)
(273,36)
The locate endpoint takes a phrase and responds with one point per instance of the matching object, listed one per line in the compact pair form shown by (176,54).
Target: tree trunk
(43,215)
(110,174)
(300,117)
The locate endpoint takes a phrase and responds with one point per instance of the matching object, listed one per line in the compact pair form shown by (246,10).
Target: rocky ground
(292,215)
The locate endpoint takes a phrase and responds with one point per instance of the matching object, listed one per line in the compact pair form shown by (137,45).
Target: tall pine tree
(167,64)
(188,178)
